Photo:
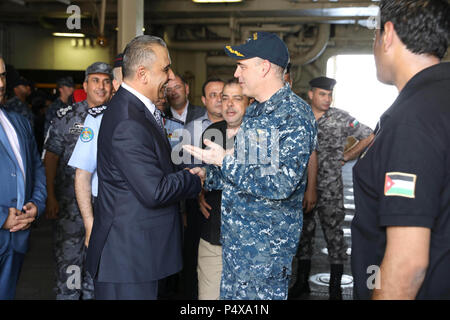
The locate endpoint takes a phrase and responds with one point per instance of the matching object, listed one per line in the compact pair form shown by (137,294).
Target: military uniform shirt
(333,129)
(62,137)
(261,202)
(84,155)
(50,114)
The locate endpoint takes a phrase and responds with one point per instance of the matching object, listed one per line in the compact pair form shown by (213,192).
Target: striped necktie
(158,118)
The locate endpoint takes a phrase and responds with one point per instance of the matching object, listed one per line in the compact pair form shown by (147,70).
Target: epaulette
(96,111)
(63,111)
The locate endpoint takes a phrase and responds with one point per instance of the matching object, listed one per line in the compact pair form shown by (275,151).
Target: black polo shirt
(210,228)
(403,179)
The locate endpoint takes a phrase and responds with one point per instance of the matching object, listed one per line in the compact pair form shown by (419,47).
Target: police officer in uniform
(18,103)
(84,156)
(69,233)
(334,126)
(65,87)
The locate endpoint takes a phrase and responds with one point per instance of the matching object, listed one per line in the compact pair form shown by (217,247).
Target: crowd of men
(154,197)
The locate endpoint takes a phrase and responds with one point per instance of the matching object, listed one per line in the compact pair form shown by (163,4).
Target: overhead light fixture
(68,35)
(19,2)
(216,1)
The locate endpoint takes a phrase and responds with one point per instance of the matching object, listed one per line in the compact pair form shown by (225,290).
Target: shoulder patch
(87,134)
(63,111)
(96,111)
(400,184)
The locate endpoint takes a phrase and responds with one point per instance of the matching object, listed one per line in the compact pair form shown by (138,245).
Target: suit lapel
(141,107)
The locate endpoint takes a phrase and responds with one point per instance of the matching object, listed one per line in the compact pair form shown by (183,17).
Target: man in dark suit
(136,236)
(22,191)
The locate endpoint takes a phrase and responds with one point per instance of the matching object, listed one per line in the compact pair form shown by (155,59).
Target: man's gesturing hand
(213,155)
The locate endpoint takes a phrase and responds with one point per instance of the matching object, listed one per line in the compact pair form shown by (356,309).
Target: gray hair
(139,52)
(279,72)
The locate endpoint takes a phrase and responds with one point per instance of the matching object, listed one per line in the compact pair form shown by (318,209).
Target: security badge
(87,134)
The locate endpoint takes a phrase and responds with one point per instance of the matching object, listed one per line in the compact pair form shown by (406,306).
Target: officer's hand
(11,221)
(204,206)
(52,208)
(309,200)
(200,172)
(27,216)
(213,155)
(88,229)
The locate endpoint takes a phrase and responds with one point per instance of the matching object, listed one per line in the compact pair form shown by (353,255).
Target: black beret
(323,83)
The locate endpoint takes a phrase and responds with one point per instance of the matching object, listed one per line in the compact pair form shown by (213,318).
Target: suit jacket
(35,186)
(136,235)
(193,112)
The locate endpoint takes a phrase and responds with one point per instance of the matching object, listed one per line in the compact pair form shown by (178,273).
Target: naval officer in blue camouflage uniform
(264,177)
(61,202)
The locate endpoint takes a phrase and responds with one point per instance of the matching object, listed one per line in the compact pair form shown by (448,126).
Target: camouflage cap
(65,81)
(99,67)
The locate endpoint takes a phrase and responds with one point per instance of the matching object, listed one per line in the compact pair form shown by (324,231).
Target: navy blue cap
(323,83)
(265,45)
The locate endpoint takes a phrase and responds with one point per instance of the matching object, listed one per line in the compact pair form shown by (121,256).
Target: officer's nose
(237,72)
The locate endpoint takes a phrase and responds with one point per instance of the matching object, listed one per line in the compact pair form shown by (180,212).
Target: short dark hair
(208,81)
(138,52)
(233,80)
(422,25)
(177,75)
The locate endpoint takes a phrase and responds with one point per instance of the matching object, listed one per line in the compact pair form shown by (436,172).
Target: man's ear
(85,84)
(204,100)
(186,86)
(141,74)
(388,35)
(266,66)
(310,94)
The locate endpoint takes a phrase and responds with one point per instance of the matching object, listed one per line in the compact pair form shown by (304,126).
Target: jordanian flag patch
(400,184)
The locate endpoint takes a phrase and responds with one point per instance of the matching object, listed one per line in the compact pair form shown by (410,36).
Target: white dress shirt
(148,103)
(181,117)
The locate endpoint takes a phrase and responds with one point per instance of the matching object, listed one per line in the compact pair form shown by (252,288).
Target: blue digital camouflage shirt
(263,185)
